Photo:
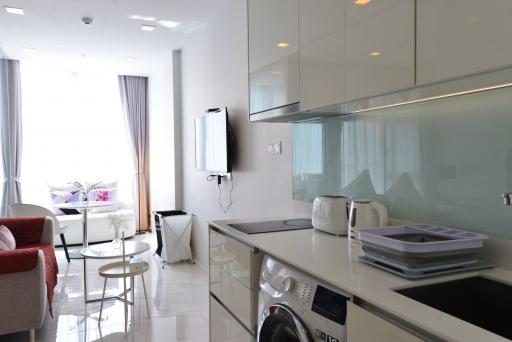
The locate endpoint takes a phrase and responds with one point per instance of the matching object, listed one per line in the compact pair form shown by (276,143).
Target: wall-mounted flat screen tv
(213,142)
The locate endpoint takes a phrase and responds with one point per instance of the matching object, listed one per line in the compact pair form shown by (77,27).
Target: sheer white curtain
(73,130)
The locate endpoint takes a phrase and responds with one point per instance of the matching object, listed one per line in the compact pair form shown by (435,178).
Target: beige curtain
(133,90)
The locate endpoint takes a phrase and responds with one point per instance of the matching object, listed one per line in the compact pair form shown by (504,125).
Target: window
(73,129)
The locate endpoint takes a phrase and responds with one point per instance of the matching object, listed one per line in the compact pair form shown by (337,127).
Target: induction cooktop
(272,226)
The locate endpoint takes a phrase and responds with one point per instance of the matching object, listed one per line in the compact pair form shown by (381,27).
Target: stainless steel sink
(480,301)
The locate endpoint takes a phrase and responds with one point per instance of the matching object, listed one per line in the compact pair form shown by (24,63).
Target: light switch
(274,148)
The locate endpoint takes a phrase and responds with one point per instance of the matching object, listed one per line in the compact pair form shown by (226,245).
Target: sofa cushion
(7,242)
(18,260)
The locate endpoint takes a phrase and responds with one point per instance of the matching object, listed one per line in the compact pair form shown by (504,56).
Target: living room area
(90,135)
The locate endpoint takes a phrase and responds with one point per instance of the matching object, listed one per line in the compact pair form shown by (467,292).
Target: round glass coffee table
(107,251)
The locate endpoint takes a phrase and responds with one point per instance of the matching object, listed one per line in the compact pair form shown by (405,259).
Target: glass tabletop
(82,205)
(107,250)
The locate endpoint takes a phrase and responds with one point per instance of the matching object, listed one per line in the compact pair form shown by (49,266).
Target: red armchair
(28,275)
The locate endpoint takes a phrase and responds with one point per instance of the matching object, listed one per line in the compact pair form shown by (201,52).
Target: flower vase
(116,242)
(85,197)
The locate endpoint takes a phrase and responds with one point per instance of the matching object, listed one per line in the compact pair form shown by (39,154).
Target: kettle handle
(382,211)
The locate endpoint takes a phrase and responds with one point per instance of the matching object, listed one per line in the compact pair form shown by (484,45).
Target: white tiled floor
(178,297)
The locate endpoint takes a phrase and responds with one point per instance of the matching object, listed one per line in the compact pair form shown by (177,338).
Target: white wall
(161,136)
(214,74)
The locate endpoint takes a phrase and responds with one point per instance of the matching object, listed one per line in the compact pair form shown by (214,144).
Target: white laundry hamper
(176,231)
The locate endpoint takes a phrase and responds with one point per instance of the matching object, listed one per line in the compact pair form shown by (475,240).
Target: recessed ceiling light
(142,17)
(169,23)
(147,28)
(129,59)
(277,72)
(362,2)
(375,53)
(29,49)
(283,44)
(14,10)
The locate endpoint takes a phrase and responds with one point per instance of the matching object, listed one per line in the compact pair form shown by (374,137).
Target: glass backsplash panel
(443,162)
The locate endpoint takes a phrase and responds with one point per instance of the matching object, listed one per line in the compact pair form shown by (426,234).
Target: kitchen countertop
(334,260)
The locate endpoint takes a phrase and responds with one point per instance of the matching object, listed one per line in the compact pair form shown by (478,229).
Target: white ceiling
(55,29)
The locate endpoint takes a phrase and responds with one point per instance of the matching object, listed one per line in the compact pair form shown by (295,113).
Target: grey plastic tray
(480,264)
(421,239)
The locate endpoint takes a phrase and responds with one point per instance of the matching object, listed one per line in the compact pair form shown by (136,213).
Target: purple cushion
(7,242)
(63,197)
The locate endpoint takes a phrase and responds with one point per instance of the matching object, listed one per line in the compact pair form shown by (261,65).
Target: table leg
(85,280)
(84,228)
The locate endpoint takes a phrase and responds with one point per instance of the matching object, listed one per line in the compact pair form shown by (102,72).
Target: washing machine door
(280,324)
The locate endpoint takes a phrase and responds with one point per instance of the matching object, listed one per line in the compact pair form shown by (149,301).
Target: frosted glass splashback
(443,162)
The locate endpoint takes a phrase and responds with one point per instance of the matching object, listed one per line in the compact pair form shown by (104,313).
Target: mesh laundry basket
(173,230)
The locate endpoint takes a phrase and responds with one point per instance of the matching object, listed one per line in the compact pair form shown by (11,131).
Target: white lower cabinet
(364,326)
(224,327)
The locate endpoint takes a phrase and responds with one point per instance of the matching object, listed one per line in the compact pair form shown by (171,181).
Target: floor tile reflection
(177,295)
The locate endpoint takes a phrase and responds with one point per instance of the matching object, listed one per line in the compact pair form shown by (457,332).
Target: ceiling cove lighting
(362,2)
(437,97)
(283,44)
(142,17)
(29,49)
(169,23)
(14,10)
(147,28)
(375,53)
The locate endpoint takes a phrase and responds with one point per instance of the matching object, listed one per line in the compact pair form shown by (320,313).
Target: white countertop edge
(342,270)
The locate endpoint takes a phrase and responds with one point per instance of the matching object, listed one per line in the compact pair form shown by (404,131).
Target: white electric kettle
(366,214)
(330,214)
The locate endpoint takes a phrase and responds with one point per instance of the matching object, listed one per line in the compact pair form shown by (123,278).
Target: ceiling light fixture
(14,10)
(283,44)
(362,2)
(147,28)
(129,59)
(29,49)
(169,23)
(375,53)
(142,17)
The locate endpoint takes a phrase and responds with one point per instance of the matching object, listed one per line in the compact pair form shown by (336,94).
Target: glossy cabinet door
(224,327)
(273,54)
(322,53)
(380,47)
(460,37)
(364,326)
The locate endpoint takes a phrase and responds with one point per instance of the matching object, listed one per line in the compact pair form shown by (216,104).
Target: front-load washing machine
(296,307)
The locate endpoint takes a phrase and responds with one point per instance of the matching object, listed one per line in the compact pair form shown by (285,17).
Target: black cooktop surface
(272,226)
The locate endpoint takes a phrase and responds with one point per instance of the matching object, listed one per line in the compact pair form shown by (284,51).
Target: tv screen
(212,142)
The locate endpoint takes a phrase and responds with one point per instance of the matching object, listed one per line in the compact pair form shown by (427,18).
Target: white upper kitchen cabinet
(273,54)
(380,46)
(460,37)
(322,52)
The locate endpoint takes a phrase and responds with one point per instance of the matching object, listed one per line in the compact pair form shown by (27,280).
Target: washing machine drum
(280,324)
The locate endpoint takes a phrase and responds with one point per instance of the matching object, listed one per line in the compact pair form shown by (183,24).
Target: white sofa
(98,227)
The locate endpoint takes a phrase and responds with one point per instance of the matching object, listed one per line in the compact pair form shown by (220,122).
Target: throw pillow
(104,195)
(57,196)
(7,239)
